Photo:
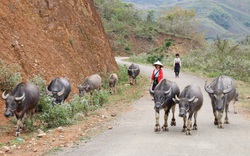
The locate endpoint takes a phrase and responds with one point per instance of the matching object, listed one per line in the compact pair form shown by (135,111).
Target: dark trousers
(155,83)
(177,69)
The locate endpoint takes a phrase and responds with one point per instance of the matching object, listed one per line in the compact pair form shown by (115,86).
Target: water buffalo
(59,88)
(113,79)
(163,94)
(190,101)
(222,91)
(133,72)
(22,100)
(90,83)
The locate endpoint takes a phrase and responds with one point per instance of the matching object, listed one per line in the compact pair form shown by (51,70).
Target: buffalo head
(83,89)
(184,104)
(12,103)
(56,95)
(159,97)
(218,96)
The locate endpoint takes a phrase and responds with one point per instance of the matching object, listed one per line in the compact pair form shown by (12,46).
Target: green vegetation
(50,116)
(9,76)
(123,23)
(221,57)
(160,52)
(229,15)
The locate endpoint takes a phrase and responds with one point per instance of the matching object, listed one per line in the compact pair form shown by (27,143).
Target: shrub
(9,76)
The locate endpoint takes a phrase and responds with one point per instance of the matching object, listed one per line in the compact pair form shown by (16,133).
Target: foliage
(221,19)
(122,20)
(10,76)
(178,20)
(222,57)
(50,116)
(160,52)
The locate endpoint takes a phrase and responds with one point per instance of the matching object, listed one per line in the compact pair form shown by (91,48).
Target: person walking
(177,65)
(157,74)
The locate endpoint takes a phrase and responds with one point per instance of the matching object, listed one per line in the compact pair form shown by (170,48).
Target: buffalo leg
(215,114)
(220,114)
(236,98)
(184,124)
(226,117)
(19,125)
(173,123)
(157,125)
(189,124)
(195,120)
(165,126)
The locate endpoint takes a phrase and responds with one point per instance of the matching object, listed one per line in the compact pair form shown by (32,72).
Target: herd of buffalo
(221,90)
(25,96)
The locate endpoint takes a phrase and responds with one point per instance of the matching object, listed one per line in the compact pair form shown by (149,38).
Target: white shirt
(177,60)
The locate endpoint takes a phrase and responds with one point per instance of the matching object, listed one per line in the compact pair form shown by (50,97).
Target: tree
(178,20)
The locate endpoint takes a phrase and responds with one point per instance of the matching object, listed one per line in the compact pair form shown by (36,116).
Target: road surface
(133,132)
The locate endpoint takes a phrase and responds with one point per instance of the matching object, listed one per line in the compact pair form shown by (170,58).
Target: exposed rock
(41,135)
(6,148)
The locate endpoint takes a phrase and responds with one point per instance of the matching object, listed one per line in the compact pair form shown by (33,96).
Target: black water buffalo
(163,94)
(190,101)
(90,84)
(222,91)
(59,88)
(133,72)
(22,100)
(113,79)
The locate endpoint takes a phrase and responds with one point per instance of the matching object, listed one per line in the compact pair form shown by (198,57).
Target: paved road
(133,133)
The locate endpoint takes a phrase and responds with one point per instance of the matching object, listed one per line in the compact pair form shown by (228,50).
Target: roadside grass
(118,103)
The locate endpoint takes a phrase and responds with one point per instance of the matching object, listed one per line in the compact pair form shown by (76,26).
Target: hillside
(54,39)
(225,18)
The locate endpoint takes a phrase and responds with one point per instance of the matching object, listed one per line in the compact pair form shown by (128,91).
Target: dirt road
(133,132)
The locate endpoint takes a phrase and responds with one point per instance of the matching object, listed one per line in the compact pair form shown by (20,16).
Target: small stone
(110,127)
(1,152)
(35,150)
(6,148)
(53,139)
(41,135)
(39,131)
(113,115)
(13,147)
(60,129)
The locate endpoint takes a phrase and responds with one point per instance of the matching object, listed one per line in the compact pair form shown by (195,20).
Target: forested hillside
(224,18)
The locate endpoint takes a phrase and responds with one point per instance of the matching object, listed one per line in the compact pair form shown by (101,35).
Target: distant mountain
(224,18)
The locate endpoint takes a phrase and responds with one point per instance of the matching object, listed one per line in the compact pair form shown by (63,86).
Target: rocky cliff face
(54,38)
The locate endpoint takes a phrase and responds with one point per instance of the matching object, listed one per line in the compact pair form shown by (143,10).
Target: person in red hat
(157,74)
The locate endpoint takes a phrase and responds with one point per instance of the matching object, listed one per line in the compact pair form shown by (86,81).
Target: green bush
(10,76)
(79,105)
(221,57)
(56,115)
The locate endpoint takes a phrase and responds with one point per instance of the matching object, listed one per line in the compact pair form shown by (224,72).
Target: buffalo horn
(20,98)
(48,92)
(151,90)
(227,90)
(176,98)
(79,86)
(192,99)
(168,91)
(208,88)
(61,92)
(4,96)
